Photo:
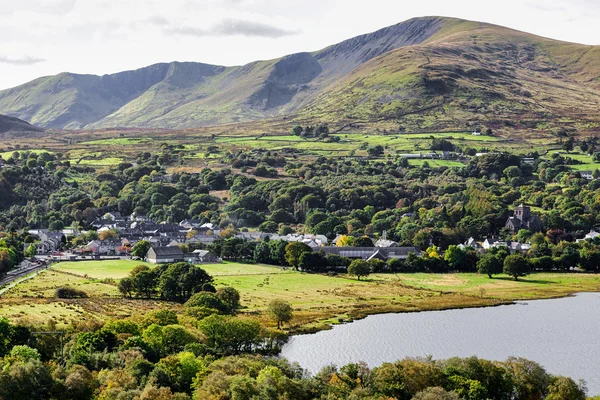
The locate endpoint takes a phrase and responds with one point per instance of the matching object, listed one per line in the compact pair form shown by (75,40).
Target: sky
(46,37)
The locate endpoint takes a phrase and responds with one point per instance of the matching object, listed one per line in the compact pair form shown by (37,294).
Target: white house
(489,243)
(590,236)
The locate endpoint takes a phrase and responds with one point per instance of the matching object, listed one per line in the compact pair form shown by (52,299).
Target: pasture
(318,300)
(114,269)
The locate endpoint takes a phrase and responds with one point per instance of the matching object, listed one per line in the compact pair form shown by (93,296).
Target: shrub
(66,292)
(207,300)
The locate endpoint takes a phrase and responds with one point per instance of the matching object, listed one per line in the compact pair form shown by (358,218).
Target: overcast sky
(46,37)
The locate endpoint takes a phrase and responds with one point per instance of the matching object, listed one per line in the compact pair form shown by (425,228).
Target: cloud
(50,7)
(156,20)
(232,27)
(21,61)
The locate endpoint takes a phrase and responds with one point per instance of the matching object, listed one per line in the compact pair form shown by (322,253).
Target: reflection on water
(560,334)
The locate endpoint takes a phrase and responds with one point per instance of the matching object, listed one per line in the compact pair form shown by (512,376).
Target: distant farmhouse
(523,219)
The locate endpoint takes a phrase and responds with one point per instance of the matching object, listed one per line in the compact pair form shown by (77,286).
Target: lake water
(560,334)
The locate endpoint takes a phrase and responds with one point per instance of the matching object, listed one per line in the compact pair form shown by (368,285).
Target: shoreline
(482,302)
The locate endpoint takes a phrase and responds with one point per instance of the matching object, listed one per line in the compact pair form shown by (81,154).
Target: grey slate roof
(167,251)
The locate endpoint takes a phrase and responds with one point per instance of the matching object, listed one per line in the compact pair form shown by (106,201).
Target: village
(114,236)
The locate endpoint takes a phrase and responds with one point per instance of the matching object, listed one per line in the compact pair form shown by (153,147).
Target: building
(472,243)
(589,175)
(49,242)
(106,247)
(523,219)
(205,256)
(167,254)
(368,253)
(489,243)
(590,236)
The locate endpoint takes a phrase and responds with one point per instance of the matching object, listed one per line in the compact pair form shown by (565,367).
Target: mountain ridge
(15,125)
(188,94)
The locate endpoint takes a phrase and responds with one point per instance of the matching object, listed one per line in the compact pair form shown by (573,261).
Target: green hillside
(426,73)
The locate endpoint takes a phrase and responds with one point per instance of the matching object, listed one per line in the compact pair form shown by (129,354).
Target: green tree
(523,235)
(516,265)
(230,335)
(359,268)
(181,280)
(143,280)
(230,297)
(126,287)
(280,311)
(454,256)
(31,251)
(562,388)
(26,381)
(435,393)
(489,264)
(140,249)
(293,252)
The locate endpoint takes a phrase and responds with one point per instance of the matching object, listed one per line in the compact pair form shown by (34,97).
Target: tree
(56,226)
(181,280)
(454,256)
(568,144)
(109,234)
(31,251)
(313,261)
(516,265)
(375,151)
(230,297)
(435,393)
(126,287)
(230,335)
(280,311)
(293,252)
(359,268)
(562,388)
(207,300)
(363,241)
(144,280)
(140,249)
(489,264)
(25,380)
(523,235)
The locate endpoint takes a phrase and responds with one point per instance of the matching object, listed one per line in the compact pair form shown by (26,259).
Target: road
(18,274)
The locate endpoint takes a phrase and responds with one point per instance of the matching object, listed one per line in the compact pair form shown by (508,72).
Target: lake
(560,334)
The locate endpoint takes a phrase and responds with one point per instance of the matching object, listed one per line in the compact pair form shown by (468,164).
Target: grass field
(543,285)
(115,269)
(318,300)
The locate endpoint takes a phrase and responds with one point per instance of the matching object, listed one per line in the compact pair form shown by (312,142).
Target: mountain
(15,125)
(470,73)
(424,73)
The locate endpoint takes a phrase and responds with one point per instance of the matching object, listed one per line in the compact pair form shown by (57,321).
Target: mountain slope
(192,94)
(469,74)
(424,73)
(11,124)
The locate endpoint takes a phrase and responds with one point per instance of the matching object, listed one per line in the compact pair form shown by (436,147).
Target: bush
(207,300)
(66,292)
